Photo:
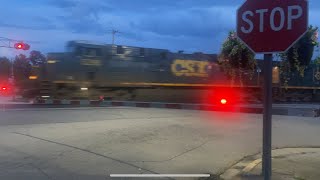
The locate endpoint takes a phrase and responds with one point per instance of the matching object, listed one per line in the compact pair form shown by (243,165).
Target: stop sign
(269,26)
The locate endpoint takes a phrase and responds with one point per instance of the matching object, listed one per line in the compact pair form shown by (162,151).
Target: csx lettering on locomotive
(190,68)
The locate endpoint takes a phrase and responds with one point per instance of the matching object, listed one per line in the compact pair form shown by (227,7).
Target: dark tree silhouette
(37,58)
(5,68)
(21,68)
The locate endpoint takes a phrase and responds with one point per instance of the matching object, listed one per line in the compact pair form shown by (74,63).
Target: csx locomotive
(125,72)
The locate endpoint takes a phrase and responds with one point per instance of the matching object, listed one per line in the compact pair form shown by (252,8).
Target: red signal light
(223,97)
(22,46)
(223,101)
(19,45)
(4,88)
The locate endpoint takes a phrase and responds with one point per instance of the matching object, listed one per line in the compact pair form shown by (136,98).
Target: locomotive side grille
(45,88)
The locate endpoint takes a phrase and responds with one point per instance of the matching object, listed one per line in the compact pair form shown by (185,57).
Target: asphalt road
(92,143)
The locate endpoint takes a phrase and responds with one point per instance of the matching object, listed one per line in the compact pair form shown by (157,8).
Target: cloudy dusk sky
(190,25)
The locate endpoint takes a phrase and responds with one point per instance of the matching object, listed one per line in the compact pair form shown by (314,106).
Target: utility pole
(12,81)
(114,32)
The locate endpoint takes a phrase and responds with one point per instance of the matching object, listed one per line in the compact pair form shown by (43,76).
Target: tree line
(236,58)
(21,65)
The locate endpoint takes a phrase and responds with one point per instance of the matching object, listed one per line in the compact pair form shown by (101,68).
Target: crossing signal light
(19,46)
(223,101)
(22,46)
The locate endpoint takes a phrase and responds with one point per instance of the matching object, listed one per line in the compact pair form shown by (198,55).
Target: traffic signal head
(22,46)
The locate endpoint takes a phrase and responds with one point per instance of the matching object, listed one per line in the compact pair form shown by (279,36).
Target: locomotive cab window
(142,51)
(91,75)
(93,52)
(120,50)
(163,55)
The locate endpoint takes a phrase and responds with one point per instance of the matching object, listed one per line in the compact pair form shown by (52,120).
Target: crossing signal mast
(11,43)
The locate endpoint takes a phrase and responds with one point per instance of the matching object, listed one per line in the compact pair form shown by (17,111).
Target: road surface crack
(88,151)
(40,170)
(178,155)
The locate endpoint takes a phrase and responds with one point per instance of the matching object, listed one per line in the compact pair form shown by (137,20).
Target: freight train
(91,70)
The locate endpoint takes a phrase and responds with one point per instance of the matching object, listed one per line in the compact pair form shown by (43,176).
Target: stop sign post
(271,26)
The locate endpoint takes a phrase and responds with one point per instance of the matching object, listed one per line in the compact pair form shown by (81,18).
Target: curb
(204,107)
(248,163)
(253,109)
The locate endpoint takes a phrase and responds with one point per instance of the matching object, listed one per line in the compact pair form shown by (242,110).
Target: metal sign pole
(267,117)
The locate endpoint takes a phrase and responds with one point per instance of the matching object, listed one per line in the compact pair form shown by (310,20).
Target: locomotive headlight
(51,61)
(33,77)
(84,89)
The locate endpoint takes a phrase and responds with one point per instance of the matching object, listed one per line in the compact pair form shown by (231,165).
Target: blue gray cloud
(191,25)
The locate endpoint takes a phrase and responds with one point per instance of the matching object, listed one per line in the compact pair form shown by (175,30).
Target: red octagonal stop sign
(269,26)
